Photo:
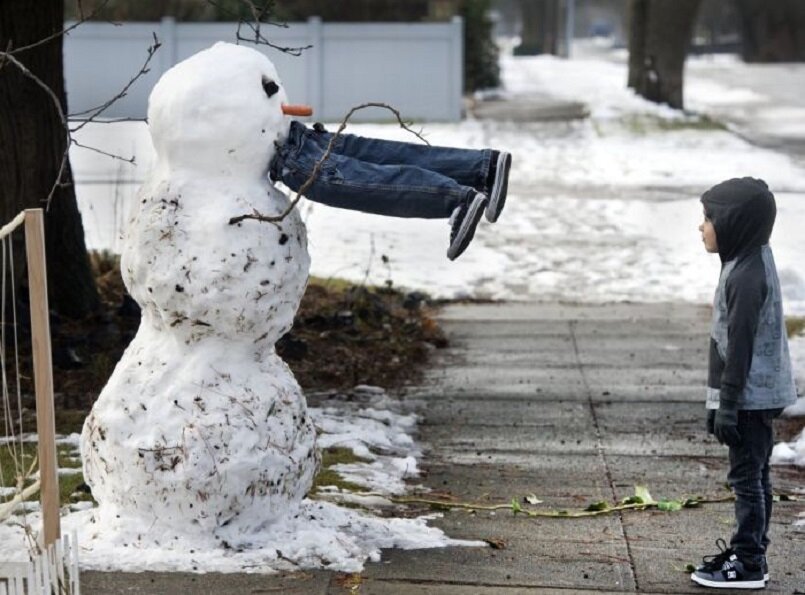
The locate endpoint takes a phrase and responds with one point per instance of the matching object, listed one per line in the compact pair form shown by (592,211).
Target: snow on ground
(321,534)
(763,98)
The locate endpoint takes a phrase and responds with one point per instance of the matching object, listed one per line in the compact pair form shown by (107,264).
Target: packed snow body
(202,429)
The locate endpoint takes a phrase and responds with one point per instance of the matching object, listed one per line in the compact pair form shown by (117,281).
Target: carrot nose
(297,110)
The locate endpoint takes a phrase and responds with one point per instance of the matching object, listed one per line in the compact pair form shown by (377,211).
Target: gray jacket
(749,359)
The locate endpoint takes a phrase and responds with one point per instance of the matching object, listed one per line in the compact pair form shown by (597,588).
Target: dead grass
(68,484)
(345,335)
(795,325)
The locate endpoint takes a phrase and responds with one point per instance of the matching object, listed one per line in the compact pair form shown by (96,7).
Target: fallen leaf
(596,506)
(669,505)
(532,499)
(516,506)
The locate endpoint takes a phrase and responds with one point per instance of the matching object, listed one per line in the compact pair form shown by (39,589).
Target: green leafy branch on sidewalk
(641,500)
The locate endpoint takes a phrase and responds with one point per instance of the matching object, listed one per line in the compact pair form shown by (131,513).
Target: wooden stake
(43,373)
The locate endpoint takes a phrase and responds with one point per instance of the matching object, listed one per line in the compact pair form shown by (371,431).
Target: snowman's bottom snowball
(320,535)
(212,437)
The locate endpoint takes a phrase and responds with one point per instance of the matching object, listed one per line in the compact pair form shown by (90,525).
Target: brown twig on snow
(256,215)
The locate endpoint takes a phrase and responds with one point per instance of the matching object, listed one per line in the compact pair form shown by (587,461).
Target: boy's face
(708,235)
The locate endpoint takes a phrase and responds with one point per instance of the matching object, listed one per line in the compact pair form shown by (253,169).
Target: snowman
(202,428)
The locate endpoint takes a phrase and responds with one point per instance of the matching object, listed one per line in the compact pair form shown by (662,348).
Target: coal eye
(270,87)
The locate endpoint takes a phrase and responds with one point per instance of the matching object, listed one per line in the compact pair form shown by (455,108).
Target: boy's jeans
(379,176)
(749,478)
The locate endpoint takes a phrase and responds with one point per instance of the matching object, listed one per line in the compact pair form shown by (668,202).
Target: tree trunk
(638,18)
(32,142)
(659,37)
(772,31)
(540,27)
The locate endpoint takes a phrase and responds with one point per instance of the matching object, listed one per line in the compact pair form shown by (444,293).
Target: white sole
(493,210)
(758,584)
(467,230)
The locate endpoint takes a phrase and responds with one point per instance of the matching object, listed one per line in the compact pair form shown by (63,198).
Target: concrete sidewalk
(574,404)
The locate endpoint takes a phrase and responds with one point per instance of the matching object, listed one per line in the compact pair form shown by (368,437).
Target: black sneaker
(712,563)
(726,571)
(463,223)
(498,184)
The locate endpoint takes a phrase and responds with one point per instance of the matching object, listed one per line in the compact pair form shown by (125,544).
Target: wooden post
(43,373)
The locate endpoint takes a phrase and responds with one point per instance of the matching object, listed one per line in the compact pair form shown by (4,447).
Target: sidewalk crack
(601,451)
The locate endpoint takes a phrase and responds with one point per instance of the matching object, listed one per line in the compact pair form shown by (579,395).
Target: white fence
(53,572)
(416,67)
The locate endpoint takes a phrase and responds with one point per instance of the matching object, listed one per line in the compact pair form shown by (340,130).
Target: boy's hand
(725,425)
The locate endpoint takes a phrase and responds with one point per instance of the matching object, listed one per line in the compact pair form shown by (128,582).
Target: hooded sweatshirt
(750,366)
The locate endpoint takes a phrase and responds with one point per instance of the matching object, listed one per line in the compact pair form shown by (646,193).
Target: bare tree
(540,27)
(659,37)
(33,143)
(772,31)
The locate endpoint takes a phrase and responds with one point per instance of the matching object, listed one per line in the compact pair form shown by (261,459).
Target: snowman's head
(219,112)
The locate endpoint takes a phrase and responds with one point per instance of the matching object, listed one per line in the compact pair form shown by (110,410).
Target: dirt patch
(343,335)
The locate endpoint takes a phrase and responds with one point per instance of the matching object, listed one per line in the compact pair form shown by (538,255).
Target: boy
(750,378)
(397,179)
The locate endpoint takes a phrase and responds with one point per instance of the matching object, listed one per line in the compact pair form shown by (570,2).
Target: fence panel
(416,67)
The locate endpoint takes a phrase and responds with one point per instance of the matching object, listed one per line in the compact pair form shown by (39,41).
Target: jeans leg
(768,496)
(468,167)
(768,491)
(747,462)
(349,183)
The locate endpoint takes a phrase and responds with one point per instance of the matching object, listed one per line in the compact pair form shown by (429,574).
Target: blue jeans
(749,479)
(380,176)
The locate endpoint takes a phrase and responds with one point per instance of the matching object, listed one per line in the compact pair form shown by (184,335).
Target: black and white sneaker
(463,223)
(498,184)
(726,571)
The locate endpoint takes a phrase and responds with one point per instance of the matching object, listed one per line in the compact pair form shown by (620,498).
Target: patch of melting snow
(793,453)
(320,534)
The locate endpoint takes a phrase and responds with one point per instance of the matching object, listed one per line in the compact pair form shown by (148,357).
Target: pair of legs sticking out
(397,179)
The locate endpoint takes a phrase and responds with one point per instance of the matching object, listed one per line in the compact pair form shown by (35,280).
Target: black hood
(742,211)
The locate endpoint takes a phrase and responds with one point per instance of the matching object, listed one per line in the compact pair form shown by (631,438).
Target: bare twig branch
(122,119)
(9,57)
(59,111)
(82,19)
(263,14)
(97,111)
(317,168)
(259,16)
(258,39)
(102,152)
(3,55)
(22,493)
